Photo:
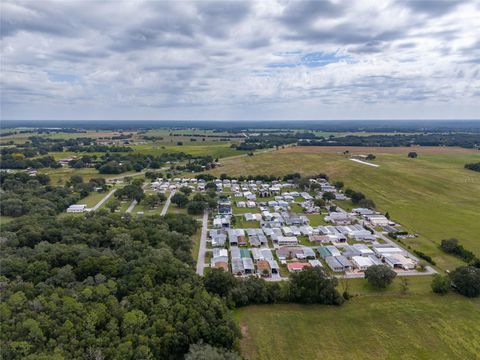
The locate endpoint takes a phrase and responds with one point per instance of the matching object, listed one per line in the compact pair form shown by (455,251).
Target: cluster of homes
(286,239)
(164,185)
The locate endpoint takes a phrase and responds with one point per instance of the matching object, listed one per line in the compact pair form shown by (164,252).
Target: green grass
(215,149)
(5,219)
(392,326)
(317,219)
(241,223)
(92,199)
(432,195)
(61,175)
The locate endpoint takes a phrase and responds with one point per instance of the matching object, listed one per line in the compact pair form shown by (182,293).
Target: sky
(234,60)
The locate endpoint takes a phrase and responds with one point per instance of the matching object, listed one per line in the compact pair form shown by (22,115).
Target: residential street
(203,244)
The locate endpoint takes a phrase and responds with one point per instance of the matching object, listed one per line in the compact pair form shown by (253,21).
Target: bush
(440,284)
(424,256)
(451,246)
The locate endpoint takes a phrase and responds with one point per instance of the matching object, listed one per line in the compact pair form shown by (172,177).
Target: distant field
(92,199)
(216,149)
(61,175)
(423,326)
(432,195)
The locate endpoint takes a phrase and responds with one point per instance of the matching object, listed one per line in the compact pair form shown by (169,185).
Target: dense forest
(22,194)
(103,286)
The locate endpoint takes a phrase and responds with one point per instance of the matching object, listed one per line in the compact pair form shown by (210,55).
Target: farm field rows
(432,195)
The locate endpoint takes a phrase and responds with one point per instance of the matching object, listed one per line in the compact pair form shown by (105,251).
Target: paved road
(132,205)
(106,197)
(203,245)
(167,204)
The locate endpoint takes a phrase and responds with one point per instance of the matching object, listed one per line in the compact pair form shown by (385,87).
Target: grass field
(215,149)
(432,195)
(92,199)
(370,327)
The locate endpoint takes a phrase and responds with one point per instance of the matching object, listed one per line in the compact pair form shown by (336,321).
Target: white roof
(362,261)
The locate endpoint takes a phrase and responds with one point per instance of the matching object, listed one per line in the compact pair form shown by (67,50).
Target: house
(267,254)
(257,254)
(333,250)
(287,252)
(342,260)
(308,252)
(400,261)
(363,211)
(334,264)
(77,208)
(315,263)
(221,222)
(295,230)
(218,238)
(224,206)
(237,266)
(236,237)
(385,250)
(377,220)
(362,263)
(235,253)
(363,249)
(297,266)
(287,231)
(248,266)
(338,218)
(323,252)
(287,240)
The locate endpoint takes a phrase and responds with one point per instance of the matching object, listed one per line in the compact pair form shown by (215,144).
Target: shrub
(440,284)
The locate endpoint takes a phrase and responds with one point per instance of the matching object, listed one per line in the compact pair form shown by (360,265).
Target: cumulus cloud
(272,59)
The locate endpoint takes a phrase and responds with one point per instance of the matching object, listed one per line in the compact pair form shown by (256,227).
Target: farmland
(415,326)
(432,195)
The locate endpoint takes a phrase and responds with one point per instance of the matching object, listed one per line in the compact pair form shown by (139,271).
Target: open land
(420,325)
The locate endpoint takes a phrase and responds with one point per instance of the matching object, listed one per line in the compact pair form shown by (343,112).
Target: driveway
(167,204)
(106,197)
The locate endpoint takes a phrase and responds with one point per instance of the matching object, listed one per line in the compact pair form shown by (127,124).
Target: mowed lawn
(432,195)
(371,327)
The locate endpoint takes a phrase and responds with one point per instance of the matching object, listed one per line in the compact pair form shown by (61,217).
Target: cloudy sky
(269,59)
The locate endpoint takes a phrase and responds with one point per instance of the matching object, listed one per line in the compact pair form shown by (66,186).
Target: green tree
(380,276)
(440,284)
(113,205)
(219,282)
(180,200)
(328,196)
(314,286)
(466,280)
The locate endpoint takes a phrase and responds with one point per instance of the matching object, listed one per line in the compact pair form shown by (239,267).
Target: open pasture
(391,326)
